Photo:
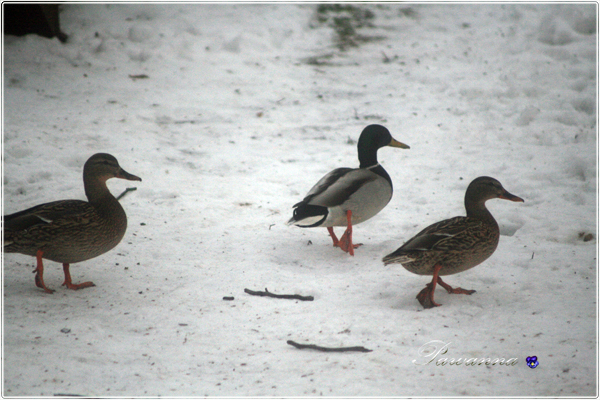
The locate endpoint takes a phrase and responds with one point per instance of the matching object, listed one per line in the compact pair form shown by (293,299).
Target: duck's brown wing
(456,234)
(439,235)
(45,214)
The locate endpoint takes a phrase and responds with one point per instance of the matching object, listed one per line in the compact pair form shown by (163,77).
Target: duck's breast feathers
(338,186)
(45,214)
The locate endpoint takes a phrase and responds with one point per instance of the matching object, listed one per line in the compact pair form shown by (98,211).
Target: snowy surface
(243,109)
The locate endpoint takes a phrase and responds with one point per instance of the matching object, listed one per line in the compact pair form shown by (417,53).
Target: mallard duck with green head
(349,196)
(71,231)
(456,244)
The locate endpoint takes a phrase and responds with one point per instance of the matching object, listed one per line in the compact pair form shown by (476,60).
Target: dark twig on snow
(129,189)
(266,293)
(386,59)
(328,349)
(139,76)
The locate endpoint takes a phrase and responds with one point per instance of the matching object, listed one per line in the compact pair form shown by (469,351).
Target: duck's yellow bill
(395,143)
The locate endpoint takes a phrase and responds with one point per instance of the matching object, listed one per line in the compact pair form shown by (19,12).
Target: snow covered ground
(229,114)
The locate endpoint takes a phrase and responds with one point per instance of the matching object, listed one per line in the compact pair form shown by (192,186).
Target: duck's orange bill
(511,197)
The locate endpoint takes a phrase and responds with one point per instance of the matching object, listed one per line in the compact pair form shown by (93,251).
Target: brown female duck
(71,231)
(456,244)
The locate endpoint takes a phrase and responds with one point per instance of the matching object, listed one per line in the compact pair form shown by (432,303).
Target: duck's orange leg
(70,284)
(336,242)
(425,296)
(346,239)
(39,272)
(452,290)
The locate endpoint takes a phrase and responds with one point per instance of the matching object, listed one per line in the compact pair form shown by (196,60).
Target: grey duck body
(361,190)
(349,196)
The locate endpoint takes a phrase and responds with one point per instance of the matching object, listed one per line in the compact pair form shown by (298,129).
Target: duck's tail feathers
(308,215)
(397,258)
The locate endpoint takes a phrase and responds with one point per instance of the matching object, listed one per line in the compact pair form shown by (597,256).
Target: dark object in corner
(41,19)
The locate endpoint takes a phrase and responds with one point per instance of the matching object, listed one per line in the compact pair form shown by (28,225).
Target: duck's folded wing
(45,214)
(337,186)
(458,233)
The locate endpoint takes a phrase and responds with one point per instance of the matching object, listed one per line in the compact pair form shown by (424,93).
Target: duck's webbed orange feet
(452,290)
(39,273)
(71,285)
(345,242)
(78,286)
(336,242)
(425,297)
(39,281)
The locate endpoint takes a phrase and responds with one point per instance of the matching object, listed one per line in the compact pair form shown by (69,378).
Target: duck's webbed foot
(71,285)
(425,296)
(345,243)
(39,273)
(452,290)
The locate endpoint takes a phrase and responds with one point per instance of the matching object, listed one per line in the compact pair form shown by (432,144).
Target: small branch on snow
(139,76)
(266,293)
(328,349)
(129,189)
(386,59)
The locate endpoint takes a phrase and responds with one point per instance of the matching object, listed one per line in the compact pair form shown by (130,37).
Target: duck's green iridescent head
(372,138)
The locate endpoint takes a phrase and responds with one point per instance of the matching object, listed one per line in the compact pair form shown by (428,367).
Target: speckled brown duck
(71,231)
(456,244)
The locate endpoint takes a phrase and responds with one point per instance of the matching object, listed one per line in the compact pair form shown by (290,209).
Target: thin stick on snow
(266,293)
(129,189)
(328,349)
